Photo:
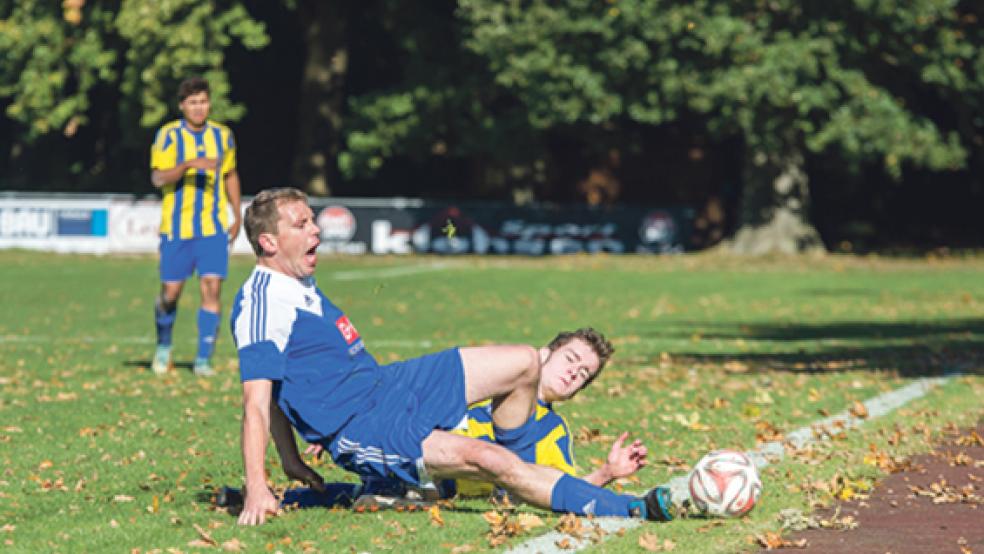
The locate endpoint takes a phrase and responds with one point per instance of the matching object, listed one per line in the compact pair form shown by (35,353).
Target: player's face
(297,240)
(195,108)
(567,369)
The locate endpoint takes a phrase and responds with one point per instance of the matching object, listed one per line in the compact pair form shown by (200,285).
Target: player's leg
(508,374)
(446,455)
(175,267)
(212,261)
(208,323)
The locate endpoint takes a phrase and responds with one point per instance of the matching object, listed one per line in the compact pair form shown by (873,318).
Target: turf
(99,454)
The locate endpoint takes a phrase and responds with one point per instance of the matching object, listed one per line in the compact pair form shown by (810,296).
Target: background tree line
(774,118)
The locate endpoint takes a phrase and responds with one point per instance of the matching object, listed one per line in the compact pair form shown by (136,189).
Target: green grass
(98,454)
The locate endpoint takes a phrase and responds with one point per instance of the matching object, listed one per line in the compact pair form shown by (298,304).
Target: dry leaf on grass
(772,541)
(204,537)
(858,410)
(233,545)
(650,542)
(435,516)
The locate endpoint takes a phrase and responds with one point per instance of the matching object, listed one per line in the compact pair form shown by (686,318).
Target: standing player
(303,364)
(193,162)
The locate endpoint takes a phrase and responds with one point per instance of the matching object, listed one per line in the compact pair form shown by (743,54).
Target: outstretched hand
(625,460)
(257,506)
(314,450)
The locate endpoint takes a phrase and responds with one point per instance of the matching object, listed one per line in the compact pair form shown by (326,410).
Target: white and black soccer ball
(725,483)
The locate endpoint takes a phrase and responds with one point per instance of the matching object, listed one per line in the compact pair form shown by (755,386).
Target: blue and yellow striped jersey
(545,439)
(196,206)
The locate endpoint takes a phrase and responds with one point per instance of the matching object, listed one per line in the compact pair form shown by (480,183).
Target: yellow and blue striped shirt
(545,439)
(196,205)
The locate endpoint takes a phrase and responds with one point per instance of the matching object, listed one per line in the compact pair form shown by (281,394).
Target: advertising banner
(352,227)
(45,224)
(400,226)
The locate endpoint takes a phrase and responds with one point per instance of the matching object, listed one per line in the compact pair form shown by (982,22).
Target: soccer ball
(725,483)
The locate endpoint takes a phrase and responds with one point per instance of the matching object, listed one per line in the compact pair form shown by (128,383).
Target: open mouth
(311,255)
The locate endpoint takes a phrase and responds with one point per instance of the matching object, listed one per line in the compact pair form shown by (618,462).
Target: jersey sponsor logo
(347,330)
(356,348)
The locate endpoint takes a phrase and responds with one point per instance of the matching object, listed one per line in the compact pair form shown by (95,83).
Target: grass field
(100,455)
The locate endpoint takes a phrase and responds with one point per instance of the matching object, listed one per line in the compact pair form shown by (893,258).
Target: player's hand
(257,505)
(626,460)
(208,164)
(314,450)
(237,223)
(302,472)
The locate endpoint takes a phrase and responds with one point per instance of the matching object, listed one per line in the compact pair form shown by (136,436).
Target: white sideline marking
(44,339)
(762,456)
(47,339)
(398,271)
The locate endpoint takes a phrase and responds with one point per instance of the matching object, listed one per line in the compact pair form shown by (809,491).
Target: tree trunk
(322,95)
(775,207)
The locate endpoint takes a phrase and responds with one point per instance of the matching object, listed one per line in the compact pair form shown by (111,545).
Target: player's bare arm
(290,460)
(161,177)
(259,501)
(233,193)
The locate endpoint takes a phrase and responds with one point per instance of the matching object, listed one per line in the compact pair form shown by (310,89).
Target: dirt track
(936,506)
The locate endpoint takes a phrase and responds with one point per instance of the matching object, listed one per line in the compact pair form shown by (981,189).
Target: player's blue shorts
(180,258)
(414,397)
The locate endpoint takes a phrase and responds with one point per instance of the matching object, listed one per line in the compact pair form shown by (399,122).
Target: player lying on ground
(303,364)
(570,362)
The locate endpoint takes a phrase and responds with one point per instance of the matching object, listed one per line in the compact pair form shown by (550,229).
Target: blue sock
(208,325)
(582,498)
(165,323)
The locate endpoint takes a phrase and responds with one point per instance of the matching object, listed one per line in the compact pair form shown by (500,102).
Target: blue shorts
(180,258)
(414,398)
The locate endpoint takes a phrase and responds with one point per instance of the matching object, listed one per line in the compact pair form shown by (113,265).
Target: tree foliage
(58,55)
(858,76)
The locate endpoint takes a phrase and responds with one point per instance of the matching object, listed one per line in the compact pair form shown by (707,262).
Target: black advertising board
(404,226)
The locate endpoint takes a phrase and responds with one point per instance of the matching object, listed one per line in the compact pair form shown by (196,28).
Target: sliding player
(304,365)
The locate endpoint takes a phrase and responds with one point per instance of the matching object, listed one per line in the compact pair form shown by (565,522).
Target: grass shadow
(912,348)
(145,364)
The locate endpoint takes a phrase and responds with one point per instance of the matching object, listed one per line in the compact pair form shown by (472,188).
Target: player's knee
(495,462)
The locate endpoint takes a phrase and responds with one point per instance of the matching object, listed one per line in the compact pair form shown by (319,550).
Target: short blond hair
(263,213)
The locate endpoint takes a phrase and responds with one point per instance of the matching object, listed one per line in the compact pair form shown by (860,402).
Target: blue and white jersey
(287,331)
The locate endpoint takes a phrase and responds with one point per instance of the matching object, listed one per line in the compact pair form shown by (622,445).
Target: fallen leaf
(858,410)
(435,516)
(233,545)
(650,542)
(204,536)
(529,521)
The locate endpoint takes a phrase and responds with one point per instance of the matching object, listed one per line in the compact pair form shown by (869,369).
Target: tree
(60,56)
(790,78)
(422,98)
